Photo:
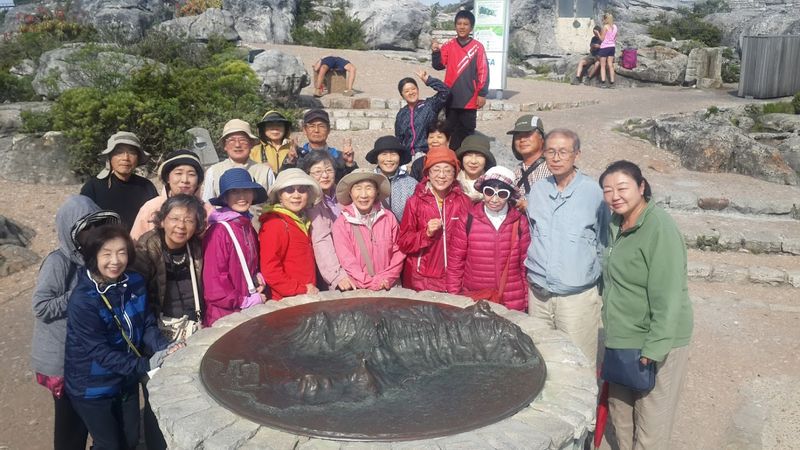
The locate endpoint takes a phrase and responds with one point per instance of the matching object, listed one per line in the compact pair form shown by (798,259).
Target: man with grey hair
(569,231)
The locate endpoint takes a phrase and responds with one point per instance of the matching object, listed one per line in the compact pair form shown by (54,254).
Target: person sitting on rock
(335,64)
(366,233)
(591,60)
(117,187)
(273,131)
(317,128)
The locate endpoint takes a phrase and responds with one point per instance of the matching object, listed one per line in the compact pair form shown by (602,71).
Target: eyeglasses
(446,172)
(183,220)
(316,173)
(502,194)
(292,189)
(240,140)
(562,154)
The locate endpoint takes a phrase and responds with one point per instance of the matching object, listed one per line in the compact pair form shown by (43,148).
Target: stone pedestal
(335,82)
(704,68)
(560,418)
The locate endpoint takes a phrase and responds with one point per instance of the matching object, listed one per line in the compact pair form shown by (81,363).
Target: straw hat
(236,126)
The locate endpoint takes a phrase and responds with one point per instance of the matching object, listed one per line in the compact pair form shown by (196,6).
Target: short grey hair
(191,203)
(567,133)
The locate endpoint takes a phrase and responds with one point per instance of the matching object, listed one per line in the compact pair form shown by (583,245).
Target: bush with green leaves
(778,107)
(687,27)
(343,31)
(796,103)
(16,89)
(36,121)
(731,66)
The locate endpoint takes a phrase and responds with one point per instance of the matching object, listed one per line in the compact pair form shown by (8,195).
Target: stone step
(774,270)
(739,232)
(336,101)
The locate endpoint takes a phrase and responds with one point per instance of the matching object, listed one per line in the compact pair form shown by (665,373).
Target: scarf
(301,221)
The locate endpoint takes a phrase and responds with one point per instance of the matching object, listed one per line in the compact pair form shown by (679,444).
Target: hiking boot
(576,81)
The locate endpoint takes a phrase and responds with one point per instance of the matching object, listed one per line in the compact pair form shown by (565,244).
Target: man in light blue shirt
(569,230)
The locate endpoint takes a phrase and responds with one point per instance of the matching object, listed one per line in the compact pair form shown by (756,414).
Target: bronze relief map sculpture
(375,369)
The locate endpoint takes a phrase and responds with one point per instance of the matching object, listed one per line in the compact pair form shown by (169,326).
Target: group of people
(138,271)
(602,49)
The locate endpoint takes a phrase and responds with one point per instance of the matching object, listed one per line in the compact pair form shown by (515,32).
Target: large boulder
(201,27)
(657,65)
(711,144)
(790,150)
(393,24)
(35,159)
(264,21)
(786,123)
(14,241)
(78,65)
(282,75)
(755,22)
(704,67)
(126,20)
(532,25)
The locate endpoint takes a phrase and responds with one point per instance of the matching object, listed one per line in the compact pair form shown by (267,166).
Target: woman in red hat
(430,215)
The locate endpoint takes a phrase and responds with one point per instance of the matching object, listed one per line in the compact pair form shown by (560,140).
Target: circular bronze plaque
(375,369)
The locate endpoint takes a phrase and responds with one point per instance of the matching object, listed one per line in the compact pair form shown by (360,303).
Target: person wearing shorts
(335,64)
(591,60)
(607,48)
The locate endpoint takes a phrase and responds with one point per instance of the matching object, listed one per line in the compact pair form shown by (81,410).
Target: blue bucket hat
(238,178)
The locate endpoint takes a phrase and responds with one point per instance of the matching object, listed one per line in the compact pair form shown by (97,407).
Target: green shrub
(542,69)
(689,26)
(796,103)
(36,122)
(731,67)
(16,89)
(778,107)
(707,7)
(343,31)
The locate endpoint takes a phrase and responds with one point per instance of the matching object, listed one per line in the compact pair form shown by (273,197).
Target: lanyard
(119,325)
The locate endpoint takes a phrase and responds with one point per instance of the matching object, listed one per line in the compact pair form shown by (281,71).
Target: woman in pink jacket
(428,220)
(365,234)
(492,237)
(231,283)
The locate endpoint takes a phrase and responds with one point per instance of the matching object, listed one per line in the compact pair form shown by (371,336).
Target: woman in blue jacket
(112,341)
(412,121)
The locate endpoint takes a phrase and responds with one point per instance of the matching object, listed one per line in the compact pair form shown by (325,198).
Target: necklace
(178,260)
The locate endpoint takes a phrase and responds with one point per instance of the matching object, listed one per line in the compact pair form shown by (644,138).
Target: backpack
(629,58)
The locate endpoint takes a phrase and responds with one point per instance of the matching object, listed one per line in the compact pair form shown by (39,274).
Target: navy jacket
(424,113)
(98,362)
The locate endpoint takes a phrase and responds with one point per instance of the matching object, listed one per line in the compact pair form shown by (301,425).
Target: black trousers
(69,431)
(153,436)
(461,123)
(112,422)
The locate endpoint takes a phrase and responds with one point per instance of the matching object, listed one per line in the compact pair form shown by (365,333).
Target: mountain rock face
(393,24)
(201,27)
(123,19)
(263,21)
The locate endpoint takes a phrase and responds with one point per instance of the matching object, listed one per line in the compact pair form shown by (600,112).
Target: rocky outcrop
(704,68)
(781,123)
(14,241)
(393,24)
(532,24)
(201,27)
(11,115)
(122,19)
(657,65)
(282,75)
(790,150)
(35,159)
(755,22)
(712,144)
(263,21)
(77,65)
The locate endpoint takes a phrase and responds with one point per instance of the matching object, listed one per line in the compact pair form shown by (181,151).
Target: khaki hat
(294,177)
(236,126)
(122,137)
(357,176)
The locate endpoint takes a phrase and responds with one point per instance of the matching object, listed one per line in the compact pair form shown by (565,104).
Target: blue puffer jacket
(411,124)
(98,362)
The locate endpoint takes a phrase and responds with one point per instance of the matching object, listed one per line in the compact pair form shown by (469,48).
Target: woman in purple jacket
(492,240)
(231,281)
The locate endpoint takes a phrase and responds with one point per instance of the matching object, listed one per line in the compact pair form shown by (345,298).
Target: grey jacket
(57,278)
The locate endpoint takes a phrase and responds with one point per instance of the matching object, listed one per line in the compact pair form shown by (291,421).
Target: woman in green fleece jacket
(645,306)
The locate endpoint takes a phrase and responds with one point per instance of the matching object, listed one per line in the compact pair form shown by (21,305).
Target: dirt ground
(741,391)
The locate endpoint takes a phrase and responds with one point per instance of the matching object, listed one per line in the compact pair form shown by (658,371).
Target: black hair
(405,81)
(497,184)
(632,170)
(98,236)
(191,203)
(314,157)
(441,127)
(464,14)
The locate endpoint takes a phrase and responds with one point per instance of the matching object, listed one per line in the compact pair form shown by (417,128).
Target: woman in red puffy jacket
(492,236)
(437,206)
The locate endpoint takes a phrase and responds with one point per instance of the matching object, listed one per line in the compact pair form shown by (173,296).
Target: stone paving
(560,418)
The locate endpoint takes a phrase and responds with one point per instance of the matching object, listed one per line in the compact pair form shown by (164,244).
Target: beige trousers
(644,421)
(578,315)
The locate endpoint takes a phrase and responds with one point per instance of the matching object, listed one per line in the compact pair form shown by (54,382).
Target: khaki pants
(644,421)
(578,315)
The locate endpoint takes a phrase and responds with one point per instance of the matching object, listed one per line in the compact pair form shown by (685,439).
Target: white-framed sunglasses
(502,194)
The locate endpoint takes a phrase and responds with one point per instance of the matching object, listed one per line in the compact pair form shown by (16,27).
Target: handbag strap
(250,286)
(362,246)
(195,292)
(119,325)
(504,276)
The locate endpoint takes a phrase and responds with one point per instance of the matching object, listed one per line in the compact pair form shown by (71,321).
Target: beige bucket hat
(122,137)
(236,126)
(358,175)
(294,177)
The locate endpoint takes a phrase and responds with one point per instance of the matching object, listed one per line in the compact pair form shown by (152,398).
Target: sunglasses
(503,194)
(292,189)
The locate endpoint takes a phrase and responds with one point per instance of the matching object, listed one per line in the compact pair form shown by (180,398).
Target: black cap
(316,114)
